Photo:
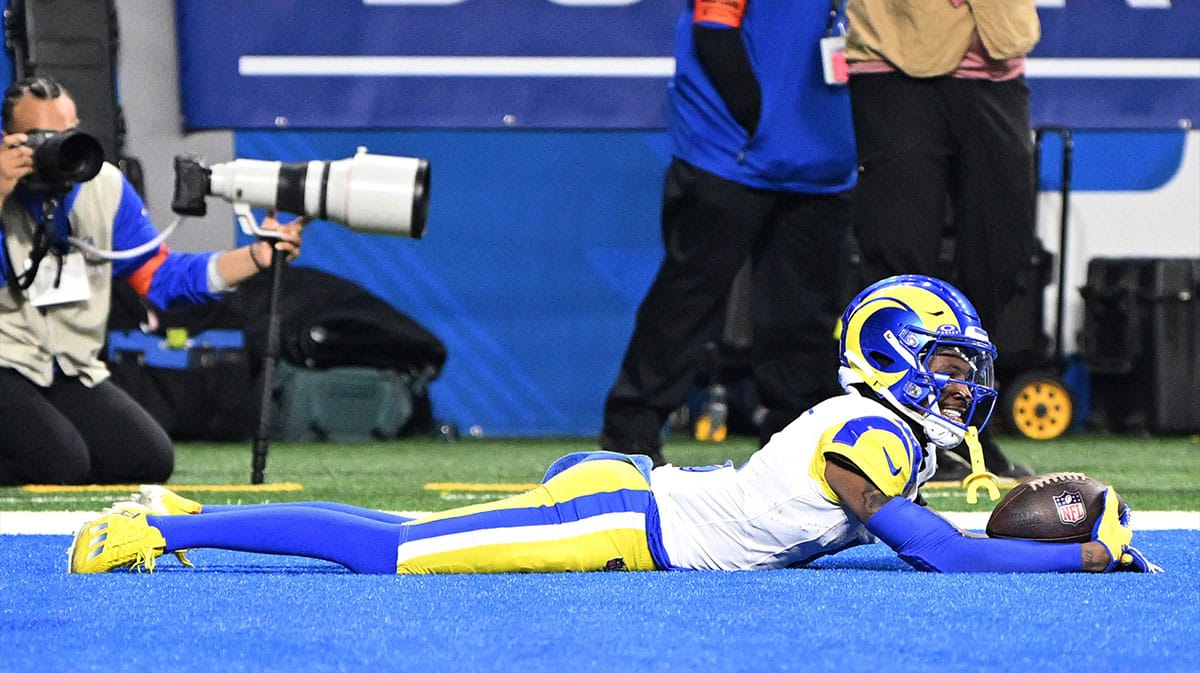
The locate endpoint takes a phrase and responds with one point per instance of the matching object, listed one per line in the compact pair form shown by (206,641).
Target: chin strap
(979,477)
(942,433)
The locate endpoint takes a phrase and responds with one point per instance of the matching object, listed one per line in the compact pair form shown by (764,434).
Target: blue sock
(372,514)
(361,544)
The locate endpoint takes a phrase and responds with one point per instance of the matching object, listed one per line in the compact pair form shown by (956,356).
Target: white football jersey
(777,511)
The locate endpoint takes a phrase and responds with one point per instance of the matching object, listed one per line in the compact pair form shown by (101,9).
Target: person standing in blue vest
(763,161)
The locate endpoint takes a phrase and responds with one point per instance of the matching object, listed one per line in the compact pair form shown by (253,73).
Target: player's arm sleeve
(926,541)
(716,32)
(165,277)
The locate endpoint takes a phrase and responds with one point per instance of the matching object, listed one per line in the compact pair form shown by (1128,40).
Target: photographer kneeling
(61,420)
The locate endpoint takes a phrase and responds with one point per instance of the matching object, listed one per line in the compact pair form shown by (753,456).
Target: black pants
(710,226)
(945,156)
(946,159)
(71,434)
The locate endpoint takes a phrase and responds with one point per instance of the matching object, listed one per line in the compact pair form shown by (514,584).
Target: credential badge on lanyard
(61,281)
(833,48)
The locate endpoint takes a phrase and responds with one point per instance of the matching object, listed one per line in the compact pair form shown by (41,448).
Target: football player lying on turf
(917,370)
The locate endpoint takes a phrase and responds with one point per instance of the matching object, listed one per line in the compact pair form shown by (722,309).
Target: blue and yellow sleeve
(928,542)
(883,449)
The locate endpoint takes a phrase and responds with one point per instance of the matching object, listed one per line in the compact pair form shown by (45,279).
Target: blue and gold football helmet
(890,333)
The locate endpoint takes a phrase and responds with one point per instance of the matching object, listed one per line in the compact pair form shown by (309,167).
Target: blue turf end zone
(862,610)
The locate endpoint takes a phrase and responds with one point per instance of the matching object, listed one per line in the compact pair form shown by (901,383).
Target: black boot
(994,459)
(950,467)
(633,446)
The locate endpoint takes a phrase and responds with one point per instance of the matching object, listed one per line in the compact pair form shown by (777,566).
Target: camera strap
(41,247)
(42,241)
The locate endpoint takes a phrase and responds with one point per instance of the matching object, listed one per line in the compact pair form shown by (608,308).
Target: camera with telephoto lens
(371,193)
(61,159)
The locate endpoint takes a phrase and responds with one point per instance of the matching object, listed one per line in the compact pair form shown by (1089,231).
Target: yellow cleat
(180,554)
(162,500)
(119,539)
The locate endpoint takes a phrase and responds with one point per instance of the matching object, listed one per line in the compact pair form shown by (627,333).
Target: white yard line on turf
(66,523)
(63,523)
(1141,520)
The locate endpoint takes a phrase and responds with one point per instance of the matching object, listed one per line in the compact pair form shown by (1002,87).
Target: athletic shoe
(950,467)
(162,500)
(159,500)
(1015,471)
(120,539)
(999,464)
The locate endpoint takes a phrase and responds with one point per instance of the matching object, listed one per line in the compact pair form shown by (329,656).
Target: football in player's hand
(1058,507)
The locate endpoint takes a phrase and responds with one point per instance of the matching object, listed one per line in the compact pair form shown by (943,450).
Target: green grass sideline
(1159,473)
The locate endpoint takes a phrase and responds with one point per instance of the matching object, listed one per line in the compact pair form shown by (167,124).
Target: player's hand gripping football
(1113,531)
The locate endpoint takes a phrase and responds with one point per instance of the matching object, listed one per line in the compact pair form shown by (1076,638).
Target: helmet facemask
(917,343)
(958,376)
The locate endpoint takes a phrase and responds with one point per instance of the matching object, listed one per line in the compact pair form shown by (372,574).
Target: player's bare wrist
(1095,557)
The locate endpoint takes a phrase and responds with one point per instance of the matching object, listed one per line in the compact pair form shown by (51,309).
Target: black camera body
(61,159)
(191,186)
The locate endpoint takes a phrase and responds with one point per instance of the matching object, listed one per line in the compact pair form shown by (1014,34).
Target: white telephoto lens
(246,181)
(378,194)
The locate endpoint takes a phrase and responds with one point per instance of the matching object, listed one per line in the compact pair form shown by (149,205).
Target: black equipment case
(351,367)
(342,403)
(187,366)
(1141,339)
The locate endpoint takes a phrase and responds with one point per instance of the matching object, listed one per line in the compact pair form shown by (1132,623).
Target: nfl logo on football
(1070,507)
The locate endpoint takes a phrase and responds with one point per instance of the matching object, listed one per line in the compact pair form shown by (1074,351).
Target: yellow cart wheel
(1038,406)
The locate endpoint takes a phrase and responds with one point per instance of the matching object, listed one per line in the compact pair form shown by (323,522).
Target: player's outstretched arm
(928,542)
